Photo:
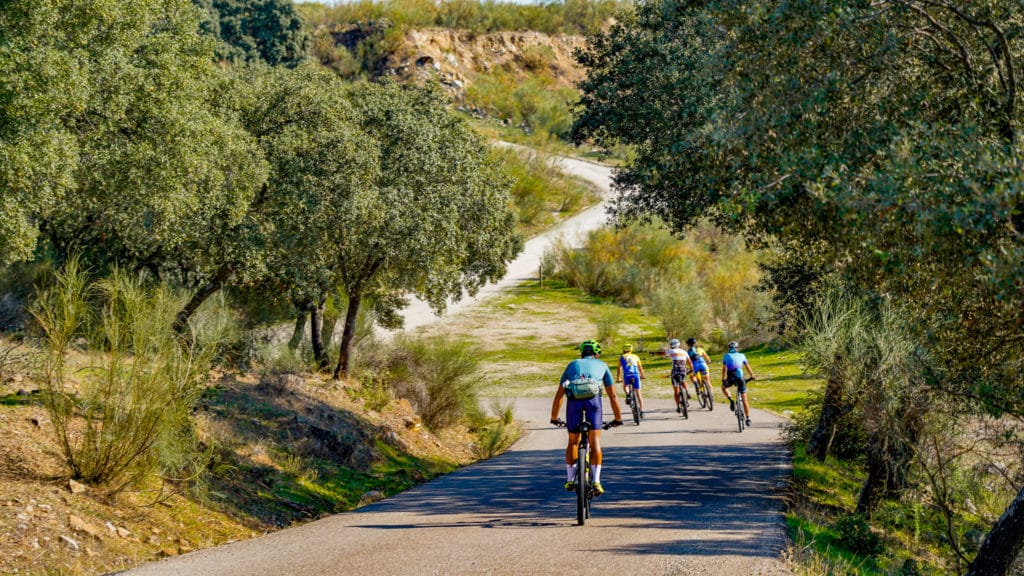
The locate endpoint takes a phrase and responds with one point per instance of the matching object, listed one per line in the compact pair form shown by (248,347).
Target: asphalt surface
(683,497)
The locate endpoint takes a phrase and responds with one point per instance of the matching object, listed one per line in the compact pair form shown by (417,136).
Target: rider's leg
(570,450)
(595,455)
(746,405)
(639,398)
(675,391)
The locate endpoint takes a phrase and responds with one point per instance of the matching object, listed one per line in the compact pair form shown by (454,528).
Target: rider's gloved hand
(557,422)
(615,423)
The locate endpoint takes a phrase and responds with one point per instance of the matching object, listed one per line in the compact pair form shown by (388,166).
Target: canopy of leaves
(879,138)
(270,31)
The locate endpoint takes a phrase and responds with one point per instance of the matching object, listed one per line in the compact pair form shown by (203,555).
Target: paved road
(684,497)
(526,265)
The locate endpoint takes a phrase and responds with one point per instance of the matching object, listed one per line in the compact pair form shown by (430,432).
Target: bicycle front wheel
(581,485)
(710,395)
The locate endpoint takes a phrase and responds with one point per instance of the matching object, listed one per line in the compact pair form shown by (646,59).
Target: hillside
(527,79)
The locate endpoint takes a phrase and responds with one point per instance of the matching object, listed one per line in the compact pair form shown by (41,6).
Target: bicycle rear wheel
(635,406)
(739,414)
(710,395)
(684,403)
(581,485)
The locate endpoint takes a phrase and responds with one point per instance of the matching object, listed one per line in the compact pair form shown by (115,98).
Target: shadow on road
(720,489)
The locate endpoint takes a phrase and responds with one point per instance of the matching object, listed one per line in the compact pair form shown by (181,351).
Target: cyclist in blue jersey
(585,368)
(700,360)
(629,372)
(733,365)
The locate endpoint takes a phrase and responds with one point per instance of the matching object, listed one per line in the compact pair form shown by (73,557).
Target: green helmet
(592,346)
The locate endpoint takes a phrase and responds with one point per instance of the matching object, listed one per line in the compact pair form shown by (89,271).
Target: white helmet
(673,343)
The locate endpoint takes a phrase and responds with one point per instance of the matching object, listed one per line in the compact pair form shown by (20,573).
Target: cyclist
(629,372)
(733,365)
(586,367)
(700,361)
(681,365)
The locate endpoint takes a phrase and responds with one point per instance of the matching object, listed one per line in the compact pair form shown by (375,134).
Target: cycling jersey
(697,357)
(575,409)
(733,362)
(630,364)
(678,356)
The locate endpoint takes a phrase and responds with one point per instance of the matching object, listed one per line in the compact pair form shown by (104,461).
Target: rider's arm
(750,372)
(609,386)
(618,371)
(640,368)
(556,404)
(707,359)
(725,372)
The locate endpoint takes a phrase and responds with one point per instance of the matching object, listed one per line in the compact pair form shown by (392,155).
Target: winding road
(690,497)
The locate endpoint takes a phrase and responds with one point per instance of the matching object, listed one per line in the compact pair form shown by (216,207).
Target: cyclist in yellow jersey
(629,372)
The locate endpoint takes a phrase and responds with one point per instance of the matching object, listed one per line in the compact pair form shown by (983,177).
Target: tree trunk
(330,317)
(890,451)
(211,288)
(315,329)
(832,408)
(348,334)
(1004,543)
(299,331)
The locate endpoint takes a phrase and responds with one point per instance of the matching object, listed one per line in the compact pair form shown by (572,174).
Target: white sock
(570,471)
(595,472)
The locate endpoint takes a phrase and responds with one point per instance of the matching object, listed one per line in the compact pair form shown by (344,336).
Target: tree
(436,222)
(110,107)
(882,136)
(319,158)
(270,31)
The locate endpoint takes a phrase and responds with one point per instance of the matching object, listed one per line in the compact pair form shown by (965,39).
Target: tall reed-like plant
(125,414)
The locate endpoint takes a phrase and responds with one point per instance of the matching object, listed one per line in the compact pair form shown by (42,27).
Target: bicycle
(633,404)
(679,379)
(741,417)
(584,484)
(703,386)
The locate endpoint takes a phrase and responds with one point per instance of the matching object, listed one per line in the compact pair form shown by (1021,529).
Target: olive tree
(435,222)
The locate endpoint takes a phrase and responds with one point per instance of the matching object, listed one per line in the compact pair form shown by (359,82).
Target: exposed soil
(278,441)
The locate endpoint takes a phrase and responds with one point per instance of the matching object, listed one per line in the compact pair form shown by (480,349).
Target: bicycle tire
(684,403)
(581,485)
(740,416)
(710,395)
(702,396)
(635,406)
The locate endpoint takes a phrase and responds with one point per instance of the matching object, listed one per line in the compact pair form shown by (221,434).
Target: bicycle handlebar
(559,423)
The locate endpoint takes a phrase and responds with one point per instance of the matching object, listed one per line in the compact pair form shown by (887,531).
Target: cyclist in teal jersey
(587,366)
(733,365)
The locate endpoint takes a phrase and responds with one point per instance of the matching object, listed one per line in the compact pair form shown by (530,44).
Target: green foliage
(608,324)
(530,102)
(702,285)
(569,17)
(128,414)
(539,188)
(855,535)
(435,220)
(270,31)
(438,376)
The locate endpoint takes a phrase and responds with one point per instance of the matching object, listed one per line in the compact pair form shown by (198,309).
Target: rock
(168,552)
(35,421)
(76,487)
(89,552)
(154,530)
(23,516)
(153,540)
(110,526)
(184,549)
(123,532)
(371,497)
(45,508)
(79,525)
(70,542)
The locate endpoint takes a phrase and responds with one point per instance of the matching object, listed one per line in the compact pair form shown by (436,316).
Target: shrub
(855,535)
(436,375)
(608,323)
(130,415)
